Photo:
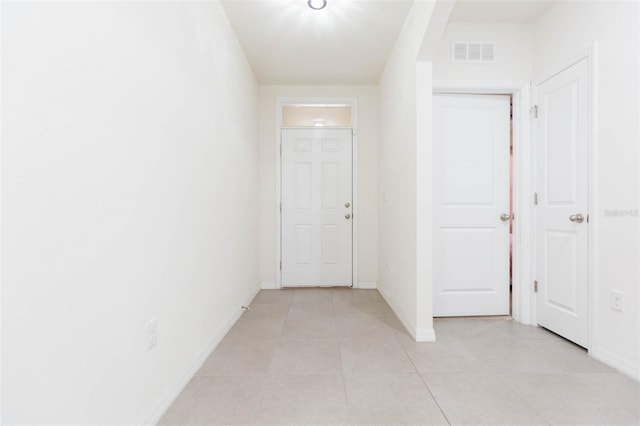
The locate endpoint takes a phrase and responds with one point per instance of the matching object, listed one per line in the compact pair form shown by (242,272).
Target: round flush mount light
(317,4)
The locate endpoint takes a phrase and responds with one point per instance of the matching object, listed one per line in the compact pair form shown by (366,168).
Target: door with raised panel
(316,207)
(563,198)
(471,204)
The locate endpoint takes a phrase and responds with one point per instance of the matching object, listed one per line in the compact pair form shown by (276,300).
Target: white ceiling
(346,43)
(502,11)
(349,41)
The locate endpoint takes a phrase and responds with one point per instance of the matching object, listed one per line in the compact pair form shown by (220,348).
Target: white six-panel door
(471,196)
(316,207)
(563,197)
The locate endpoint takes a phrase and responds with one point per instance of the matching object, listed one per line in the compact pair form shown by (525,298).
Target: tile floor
(340,356)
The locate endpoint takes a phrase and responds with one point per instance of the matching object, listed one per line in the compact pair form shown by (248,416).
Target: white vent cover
(473,52)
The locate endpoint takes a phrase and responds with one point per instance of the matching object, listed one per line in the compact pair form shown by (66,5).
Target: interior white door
(316,207)
(471,196)
(563,199)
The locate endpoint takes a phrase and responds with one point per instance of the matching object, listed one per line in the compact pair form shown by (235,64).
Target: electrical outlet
(151,335)
(616,300)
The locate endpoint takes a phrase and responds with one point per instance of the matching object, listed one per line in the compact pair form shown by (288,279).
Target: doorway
(317,192)
(472,200)
(522,295)
(317,199)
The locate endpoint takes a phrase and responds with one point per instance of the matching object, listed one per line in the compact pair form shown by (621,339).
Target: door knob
(347,216)
(576,218)
(504,217)
(347,205)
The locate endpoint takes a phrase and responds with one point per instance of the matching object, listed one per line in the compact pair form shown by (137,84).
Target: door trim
(523,307)
(591,55)
(353,103)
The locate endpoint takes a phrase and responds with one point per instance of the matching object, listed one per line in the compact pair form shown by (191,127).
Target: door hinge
(535,286)
(280,149)
(534,111)
(535,198)
(281,265)
(280,207)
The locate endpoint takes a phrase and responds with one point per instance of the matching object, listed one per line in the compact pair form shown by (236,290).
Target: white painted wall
(367,172)
(565,31)
(513,52)
(397,206)
(129,192)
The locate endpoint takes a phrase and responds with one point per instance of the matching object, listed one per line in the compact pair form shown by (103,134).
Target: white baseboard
(419,335)
(362,284)
(368,285)
(268,286)
(155,415)
(622,365)
(425,335)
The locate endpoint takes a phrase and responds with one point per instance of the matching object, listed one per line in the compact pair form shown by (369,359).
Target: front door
(316,207)
(471,197)
(563,199)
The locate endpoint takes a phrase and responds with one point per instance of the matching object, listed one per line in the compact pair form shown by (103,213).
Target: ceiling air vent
(472,52)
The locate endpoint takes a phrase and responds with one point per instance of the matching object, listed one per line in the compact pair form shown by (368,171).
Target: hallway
(340,356)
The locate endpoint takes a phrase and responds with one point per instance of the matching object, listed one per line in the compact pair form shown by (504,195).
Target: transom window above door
(321,115)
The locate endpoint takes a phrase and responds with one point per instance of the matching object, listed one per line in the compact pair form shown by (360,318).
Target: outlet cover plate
(616,300)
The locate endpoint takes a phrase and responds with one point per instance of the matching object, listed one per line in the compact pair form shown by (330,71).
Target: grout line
(424,382)
(261,395)
(335,323)
(506,385)
(344,380)
(286,316)
(434,398)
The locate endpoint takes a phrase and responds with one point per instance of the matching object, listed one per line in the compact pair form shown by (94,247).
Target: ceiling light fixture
(317,4)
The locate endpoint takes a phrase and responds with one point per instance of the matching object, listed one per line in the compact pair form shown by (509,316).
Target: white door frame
(523,307)
(591,55)
(353,103)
